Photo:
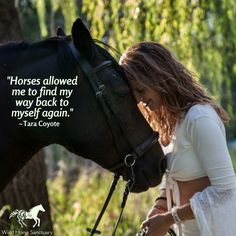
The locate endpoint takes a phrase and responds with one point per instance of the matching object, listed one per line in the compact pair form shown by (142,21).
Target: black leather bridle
(114,121)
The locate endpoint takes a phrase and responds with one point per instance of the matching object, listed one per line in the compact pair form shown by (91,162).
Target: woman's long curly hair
(153,65)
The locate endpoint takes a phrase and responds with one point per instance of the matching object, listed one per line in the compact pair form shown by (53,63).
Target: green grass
(73,212)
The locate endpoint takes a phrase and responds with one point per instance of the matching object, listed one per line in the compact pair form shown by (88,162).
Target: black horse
(87,132)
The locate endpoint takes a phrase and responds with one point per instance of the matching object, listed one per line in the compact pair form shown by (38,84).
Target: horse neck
(35,210)
(28,61)
(29,67)
(18,144)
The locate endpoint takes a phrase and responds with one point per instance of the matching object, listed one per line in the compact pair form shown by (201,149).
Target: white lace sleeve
(215,207)
(215,211)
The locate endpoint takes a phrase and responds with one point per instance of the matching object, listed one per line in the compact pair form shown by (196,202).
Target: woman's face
(146,95)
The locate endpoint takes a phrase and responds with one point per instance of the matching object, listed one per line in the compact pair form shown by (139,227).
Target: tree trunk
(9,22)
(28,188)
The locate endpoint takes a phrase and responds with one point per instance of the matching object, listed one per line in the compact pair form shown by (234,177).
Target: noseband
(114,121)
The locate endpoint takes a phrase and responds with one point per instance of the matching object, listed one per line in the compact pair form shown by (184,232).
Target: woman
(198,193)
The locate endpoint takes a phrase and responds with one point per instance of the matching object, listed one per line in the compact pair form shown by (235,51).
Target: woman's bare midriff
(188,188)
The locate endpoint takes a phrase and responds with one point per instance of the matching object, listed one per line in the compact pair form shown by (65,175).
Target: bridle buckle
(129,160)
(101,91)
(99,94)
(102,88)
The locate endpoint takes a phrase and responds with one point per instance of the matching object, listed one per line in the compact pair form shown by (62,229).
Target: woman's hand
(159,207)
(154,211)
(158,225)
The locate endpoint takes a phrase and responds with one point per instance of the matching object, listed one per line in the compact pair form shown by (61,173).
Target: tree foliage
(201,33)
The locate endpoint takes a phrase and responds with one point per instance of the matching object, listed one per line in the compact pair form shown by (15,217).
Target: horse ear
(60,32)
(82,39)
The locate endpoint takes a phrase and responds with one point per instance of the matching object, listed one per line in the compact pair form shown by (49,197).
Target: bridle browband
(106,101)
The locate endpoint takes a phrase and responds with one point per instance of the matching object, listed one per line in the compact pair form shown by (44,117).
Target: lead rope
(129,162)
(128,188)
(112,188)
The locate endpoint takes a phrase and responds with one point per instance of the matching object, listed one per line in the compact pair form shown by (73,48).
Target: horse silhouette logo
(31,214)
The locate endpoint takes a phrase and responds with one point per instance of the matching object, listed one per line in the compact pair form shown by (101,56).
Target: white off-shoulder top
(198,149)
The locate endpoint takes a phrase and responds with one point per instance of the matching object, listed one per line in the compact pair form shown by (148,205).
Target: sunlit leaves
(201,33)
(41,11)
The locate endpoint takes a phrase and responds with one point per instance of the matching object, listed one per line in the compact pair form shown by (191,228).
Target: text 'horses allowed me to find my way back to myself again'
(81,132)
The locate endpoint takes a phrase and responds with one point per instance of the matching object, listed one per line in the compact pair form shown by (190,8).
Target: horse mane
(17,53)
(10,52)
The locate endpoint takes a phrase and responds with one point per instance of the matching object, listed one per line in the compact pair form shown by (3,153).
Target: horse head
(106,127)
(41,208)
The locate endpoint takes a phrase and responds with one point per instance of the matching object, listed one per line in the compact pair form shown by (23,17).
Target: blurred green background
(202,35)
